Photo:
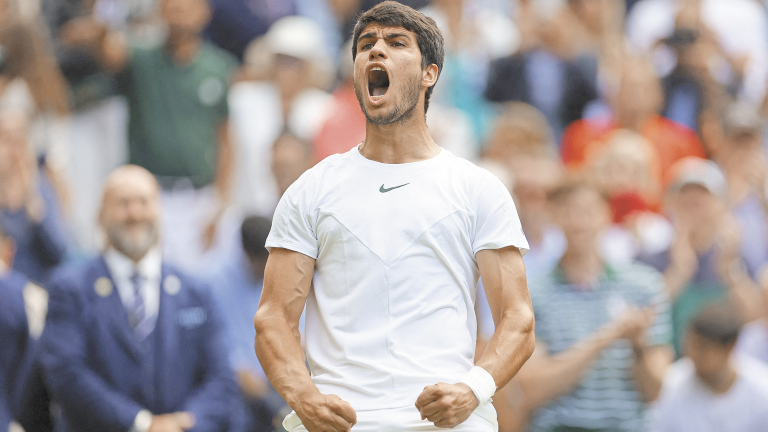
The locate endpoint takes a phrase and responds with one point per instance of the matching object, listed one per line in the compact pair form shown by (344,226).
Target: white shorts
(407,419)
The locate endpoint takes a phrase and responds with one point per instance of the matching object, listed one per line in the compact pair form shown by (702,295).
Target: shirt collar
(149,267)
(608,275)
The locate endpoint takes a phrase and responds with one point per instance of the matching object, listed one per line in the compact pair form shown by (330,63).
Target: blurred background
(655,107)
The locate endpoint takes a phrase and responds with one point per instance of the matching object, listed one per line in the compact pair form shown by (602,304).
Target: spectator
(522,141)
(235,23)
(691,85)
(22,317)
(474,36)
(740,27)
(543,73)
(711,390)
(30,81)
(29,210)
(636,105)
(132,343)
(601,330)
(238,291)
(739,152)
(178,127)
(625,169)
(344,127)
(703,265)
(291,156)
(290,67)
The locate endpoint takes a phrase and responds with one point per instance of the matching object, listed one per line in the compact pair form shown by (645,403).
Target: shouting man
(398,231)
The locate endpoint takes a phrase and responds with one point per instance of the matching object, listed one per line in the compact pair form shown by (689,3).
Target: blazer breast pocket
(190,318)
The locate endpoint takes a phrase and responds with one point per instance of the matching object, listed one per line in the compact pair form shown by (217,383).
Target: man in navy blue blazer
(17,332)
(131,343)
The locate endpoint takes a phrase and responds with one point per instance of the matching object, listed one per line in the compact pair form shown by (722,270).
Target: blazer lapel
(165,328)
(112,308)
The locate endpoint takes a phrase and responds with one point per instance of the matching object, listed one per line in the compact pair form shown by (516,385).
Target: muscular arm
(503,274)
(287,281)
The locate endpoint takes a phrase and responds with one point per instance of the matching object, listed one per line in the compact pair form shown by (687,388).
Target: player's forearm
(511,345)
(548,377)
(281,356)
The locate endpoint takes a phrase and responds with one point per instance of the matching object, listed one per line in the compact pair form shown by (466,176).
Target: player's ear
(429,75)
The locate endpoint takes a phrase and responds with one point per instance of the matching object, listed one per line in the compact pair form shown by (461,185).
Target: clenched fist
(446,405)
(326,413)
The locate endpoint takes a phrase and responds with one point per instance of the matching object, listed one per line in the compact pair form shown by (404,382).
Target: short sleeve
(292,224)
(497,224)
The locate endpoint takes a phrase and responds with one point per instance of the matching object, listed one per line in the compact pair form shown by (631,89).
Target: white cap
(298,37)
(702,172)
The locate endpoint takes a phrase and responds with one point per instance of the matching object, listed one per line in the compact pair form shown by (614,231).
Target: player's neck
(401,142)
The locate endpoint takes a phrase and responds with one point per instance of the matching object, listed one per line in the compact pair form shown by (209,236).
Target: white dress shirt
(122,268)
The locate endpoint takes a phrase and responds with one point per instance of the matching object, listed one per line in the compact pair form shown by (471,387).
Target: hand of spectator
(18,184)
(326,413)
(253,386)
(683,261)
(173,422)
(632,325)
(82,32)
(727,244)
(446,405)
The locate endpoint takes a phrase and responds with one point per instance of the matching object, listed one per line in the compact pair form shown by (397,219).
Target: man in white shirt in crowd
(712,390)
(397,231)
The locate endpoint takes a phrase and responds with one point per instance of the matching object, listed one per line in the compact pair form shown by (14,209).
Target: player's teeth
(376,68)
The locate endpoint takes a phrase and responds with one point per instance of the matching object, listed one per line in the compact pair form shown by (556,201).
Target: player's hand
(446,405)
(326,413)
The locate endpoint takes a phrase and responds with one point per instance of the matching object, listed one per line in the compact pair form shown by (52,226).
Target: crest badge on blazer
(103,287)
(172,285)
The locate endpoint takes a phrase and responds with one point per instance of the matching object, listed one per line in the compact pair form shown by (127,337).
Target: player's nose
(379,50)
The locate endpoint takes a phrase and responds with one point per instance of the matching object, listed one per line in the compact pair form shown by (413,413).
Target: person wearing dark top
(559,88)
(22,316)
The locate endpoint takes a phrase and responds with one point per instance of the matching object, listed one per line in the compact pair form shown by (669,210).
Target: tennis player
(397,231)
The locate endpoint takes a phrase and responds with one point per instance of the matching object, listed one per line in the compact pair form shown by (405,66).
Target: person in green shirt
(178,112)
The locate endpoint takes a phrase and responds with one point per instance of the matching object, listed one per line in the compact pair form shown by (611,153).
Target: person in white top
(711,389)
(397,231)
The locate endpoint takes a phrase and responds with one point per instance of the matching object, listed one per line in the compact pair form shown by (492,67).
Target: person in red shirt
(636,105)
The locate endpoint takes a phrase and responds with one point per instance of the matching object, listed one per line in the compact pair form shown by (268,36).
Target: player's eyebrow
(372,35)
(397,35)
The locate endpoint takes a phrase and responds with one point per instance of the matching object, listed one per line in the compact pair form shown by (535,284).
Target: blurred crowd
(159,135)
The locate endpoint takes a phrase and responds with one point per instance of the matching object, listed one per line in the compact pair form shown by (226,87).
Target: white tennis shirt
(392,306)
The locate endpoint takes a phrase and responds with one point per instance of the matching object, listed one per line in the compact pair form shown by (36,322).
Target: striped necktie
(137,311)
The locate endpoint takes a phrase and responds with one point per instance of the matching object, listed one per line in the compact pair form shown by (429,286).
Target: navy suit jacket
(101,375)
(14,345)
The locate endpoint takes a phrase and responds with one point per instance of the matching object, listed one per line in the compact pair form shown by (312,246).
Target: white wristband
(481,383)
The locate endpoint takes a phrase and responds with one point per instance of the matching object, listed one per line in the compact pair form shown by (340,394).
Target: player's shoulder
(467,170)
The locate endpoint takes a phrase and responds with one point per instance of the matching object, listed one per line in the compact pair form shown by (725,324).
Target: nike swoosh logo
(385,190)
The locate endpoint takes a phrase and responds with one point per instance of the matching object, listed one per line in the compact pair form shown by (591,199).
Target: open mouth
(378,83)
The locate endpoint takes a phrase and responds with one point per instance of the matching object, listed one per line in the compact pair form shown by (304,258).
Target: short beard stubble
(401,112)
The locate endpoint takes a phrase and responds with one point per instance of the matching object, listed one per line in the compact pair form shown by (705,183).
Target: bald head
(130,211)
